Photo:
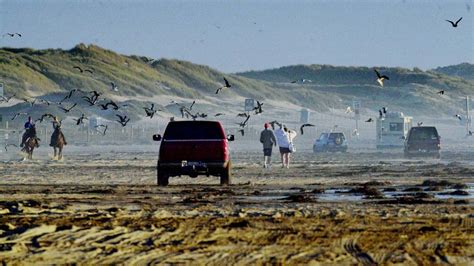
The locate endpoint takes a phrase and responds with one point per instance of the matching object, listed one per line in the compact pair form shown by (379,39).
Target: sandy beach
(349,208)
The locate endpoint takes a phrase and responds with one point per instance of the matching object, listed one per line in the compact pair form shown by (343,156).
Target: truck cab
(423,141)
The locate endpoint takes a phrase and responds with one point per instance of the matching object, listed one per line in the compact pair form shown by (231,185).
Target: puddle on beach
(343,195)
(442,195)
(339,195)
(264,198)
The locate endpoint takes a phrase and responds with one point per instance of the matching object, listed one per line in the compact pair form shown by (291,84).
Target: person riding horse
(28,132)
(31,142)
(57,131)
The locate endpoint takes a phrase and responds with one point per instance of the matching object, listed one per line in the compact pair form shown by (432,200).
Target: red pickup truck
(193,148)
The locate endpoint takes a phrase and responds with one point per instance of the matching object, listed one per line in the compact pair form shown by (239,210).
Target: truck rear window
(423,133)
(193,130)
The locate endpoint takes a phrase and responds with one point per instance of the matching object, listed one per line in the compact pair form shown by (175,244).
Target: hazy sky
(239,35)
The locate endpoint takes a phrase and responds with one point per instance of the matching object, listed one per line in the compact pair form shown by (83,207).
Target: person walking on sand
(267,138)
(285,138)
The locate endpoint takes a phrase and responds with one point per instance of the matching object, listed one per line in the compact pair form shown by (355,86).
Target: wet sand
(349,208)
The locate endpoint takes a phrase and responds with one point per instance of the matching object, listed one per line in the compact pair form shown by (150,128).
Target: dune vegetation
(49,73)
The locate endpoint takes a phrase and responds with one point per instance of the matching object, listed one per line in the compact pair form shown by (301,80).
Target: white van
(392,129)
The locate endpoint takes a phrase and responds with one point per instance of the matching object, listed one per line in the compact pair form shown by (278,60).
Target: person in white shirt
(285,138)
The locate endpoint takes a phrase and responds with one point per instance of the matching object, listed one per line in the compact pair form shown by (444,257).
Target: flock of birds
(91,97)
(66,104)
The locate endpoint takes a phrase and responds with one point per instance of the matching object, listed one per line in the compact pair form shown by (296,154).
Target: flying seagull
(95,94)
(43,117)
(258,108)
(348,110)
(380,78)
(123,120)
(183,111)
(105,128)
(242,115)
(80,120)
(244,123)
(150,112)
(458,116)
(114,105)
(369,120)
(7,99)
(419,124)
(44,101)
(13,34)
(441,92)
(67,110)
(201,115)
(227,85)
(94,97)
(83,70)
(91,100)
(106,105)
(69,95)
(32,102)
(113,86)
(218,114)
(18,114)
(454,24)
(302,81)
(152,107)
(305,125)
(6,146)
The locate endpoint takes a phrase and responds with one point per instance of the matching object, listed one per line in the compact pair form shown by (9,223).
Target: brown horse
(31,143)
(57,142)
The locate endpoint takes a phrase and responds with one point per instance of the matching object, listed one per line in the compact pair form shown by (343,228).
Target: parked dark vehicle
(193,148)
(330,142)
(422,141)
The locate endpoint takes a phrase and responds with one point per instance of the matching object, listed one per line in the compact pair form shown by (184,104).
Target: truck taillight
(225,149)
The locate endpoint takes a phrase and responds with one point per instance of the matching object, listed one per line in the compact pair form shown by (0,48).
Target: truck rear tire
(226,175)
(163,178)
